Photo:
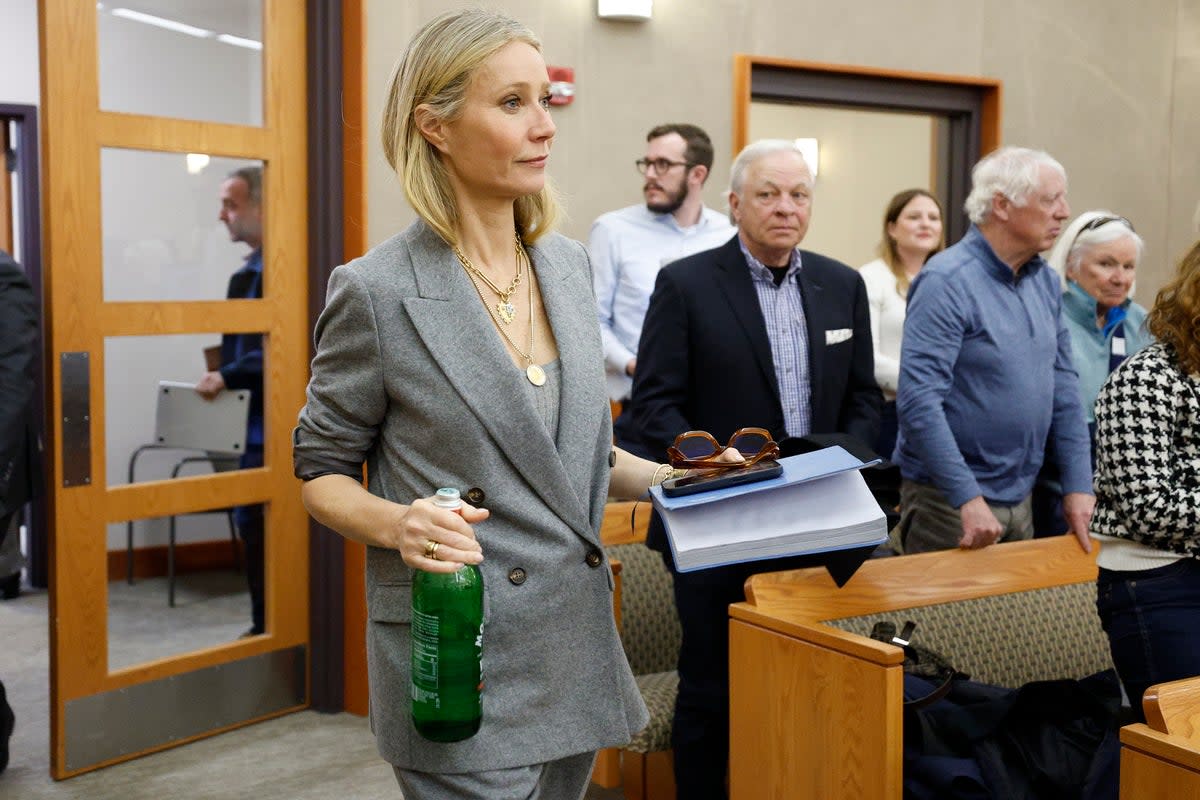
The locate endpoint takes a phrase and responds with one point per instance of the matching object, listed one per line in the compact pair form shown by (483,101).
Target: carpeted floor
(303,756)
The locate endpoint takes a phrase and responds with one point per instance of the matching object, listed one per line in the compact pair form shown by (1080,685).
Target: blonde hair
(435,72)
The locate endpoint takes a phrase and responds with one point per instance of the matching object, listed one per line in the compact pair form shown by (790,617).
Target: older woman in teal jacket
(1097,257)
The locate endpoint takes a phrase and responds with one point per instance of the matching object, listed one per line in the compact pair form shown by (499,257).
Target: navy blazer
(704,359)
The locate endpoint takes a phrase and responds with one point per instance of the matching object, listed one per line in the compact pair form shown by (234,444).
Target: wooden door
(95,147)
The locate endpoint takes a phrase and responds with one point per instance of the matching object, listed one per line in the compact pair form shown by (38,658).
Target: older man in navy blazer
(753,333)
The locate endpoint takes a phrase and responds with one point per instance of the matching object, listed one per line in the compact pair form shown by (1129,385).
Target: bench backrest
(1006,614)
(1008,639)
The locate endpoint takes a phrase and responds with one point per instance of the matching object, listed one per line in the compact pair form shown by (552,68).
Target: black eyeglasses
(660,165)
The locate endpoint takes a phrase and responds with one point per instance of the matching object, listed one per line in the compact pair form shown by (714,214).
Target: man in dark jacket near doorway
(18,338)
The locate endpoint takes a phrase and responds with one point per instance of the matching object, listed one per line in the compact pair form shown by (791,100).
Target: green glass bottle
(447,648)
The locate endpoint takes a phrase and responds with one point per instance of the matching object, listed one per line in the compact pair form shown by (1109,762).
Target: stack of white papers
(819,504)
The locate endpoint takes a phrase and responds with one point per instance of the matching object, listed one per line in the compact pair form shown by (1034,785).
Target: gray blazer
(411,377)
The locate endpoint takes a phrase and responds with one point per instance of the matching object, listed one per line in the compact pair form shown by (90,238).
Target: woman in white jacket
(912,232)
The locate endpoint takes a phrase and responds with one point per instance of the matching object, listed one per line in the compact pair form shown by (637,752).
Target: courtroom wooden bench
(816,704)
(1160,760)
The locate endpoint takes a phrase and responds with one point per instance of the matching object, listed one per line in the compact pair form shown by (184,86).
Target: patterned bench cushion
(649,621)
(658,690)
(1010,639)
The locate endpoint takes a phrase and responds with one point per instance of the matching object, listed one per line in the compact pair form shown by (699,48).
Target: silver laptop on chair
(184,419)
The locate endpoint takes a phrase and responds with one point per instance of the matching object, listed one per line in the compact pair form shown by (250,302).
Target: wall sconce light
(624,9)
(811,151)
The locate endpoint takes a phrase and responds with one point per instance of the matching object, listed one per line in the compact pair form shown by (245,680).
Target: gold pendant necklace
(505,308)
(533,372)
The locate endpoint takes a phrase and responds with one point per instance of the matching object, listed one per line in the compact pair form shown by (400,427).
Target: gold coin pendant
(535,374)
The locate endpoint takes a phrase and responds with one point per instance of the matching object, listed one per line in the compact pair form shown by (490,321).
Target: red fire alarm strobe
(562,85)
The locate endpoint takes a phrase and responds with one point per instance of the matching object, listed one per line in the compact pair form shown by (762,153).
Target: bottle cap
(447,498)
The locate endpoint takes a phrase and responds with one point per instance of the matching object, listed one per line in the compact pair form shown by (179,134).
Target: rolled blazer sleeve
(346,397)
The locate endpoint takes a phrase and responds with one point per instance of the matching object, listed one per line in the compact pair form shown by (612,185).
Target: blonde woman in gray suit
(464,352)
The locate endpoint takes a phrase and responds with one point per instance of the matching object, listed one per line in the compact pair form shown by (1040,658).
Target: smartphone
(708,481)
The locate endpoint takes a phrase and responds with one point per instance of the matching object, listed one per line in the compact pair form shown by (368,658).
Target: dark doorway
(21,233)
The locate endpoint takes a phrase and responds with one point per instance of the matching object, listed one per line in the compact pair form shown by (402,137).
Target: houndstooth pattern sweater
(1148,454)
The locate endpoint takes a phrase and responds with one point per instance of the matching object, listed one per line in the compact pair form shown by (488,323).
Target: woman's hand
(423,524)
(730,455)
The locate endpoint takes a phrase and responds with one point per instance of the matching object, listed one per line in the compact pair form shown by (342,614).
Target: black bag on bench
(967,740)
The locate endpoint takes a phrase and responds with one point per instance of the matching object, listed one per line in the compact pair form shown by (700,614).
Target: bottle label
(425,630)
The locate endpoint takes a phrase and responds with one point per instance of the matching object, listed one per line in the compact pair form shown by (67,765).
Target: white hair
(752,153)
(1014,172)
(1074,243)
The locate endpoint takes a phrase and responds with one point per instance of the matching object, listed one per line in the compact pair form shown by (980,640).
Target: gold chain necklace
(533,372)
(505,309)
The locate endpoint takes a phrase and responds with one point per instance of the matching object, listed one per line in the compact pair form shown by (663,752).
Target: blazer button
(475,496)
(594,559)
(516,576)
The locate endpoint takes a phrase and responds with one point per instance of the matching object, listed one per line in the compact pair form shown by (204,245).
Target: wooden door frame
(71,170)
(972,104)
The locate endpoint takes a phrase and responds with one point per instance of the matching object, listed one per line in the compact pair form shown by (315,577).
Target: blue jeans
(1151,617)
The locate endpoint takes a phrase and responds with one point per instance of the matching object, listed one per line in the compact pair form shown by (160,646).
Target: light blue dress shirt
(627,248)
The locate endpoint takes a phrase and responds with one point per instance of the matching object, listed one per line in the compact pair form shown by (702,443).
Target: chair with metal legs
(186,422)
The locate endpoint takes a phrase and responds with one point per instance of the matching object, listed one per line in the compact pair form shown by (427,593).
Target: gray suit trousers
(562,779)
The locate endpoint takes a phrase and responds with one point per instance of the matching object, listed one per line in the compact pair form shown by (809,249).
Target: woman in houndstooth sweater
(1148,496)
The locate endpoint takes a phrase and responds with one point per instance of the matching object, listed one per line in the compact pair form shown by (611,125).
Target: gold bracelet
(655,480)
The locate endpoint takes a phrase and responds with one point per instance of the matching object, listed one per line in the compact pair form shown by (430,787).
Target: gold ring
(431,548)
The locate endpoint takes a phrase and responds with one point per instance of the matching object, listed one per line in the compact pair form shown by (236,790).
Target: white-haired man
(755,333)
(986,376)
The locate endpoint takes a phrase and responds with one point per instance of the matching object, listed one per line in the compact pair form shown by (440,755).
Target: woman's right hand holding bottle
(437,539)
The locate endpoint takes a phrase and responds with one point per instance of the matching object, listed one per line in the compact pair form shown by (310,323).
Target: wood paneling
(625,521)
(151,562)
(1155,768)
(787,692)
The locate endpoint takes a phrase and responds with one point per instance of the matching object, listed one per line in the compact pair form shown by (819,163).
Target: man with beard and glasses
(629,246)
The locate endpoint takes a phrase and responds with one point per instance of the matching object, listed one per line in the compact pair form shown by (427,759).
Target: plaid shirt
(783,311)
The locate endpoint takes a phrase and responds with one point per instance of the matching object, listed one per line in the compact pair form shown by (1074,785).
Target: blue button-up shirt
(986,377)
(783,311)
(627,248)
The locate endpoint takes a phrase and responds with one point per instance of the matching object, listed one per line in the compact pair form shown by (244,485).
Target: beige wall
(865,158)
(1110,88)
